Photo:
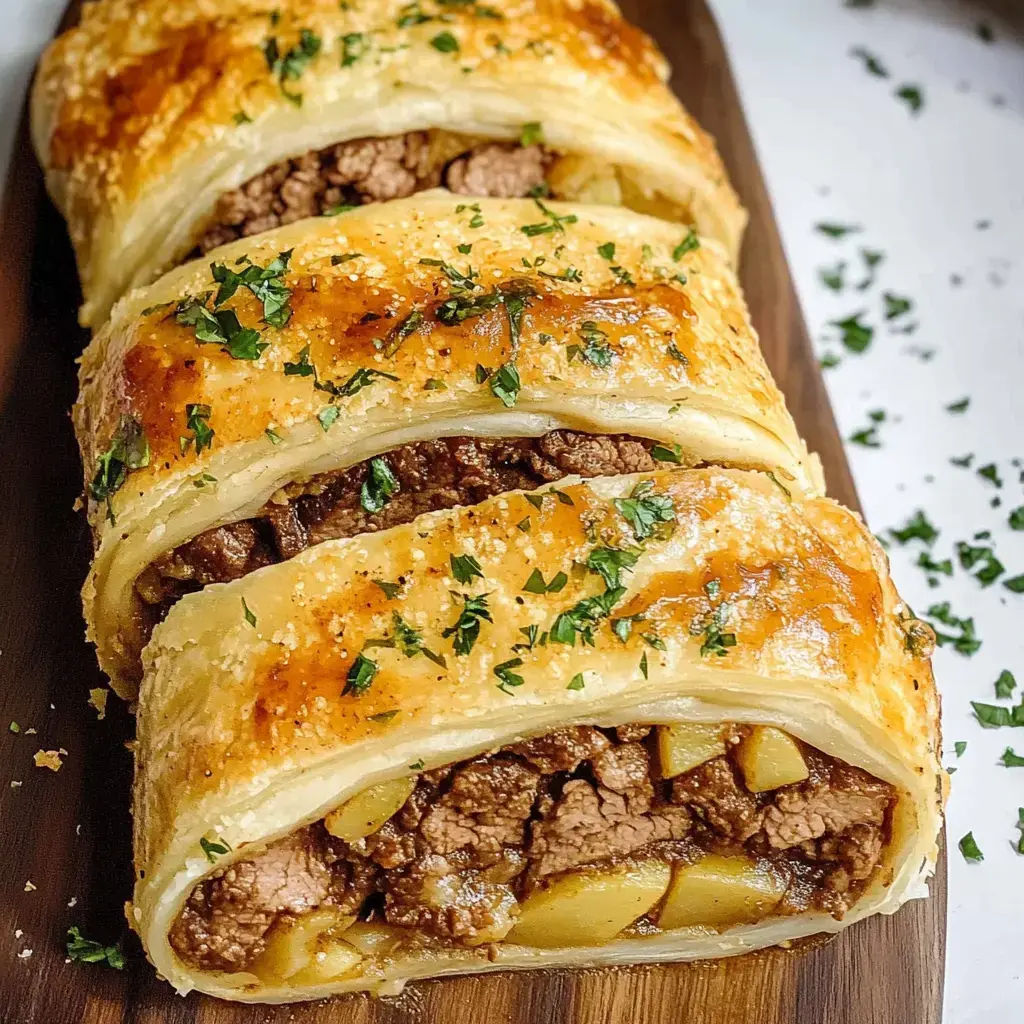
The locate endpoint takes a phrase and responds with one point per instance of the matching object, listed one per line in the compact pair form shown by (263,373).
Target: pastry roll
(649,717)
(340,375)
(167,127)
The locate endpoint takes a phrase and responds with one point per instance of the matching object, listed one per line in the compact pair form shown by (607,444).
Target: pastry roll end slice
(235,394)
(167,127)
(641,718)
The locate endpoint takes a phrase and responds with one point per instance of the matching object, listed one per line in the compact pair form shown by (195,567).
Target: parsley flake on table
(960,405)
(872,258)
(996,716)
(967,643)
(86,951)
(960,746)
(1011,759)
(912,96)
(833,277)
(856,336)
(896,305)
(833,230)
(917,527)
(1015,584)
(991,474)
(970,849)
(1005,684)
(871,63)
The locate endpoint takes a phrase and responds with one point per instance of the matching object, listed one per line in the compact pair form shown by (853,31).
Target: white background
(941,194)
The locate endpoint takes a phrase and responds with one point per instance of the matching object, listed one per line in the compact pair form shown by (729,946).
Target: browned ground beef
(366,171)
(431,475)
(474,836)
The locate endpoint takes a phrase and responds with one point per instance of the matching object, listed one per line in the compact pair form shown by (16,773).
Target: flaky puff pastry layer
(246,731)
(150,109)
(649,340)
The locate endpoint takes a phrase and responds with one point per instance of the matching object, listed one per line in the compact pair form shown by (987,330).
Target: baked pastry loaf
(430,750)
(166,127)
(222,407)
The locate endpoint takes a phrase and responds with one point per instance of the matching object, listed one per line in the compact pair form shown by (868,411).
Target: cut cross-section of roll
(339,376)
(647,717)
(167,127)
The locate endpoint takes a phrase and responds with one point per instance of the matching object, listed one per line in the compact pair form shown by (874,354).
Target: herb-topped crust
(147,112)
(275,360)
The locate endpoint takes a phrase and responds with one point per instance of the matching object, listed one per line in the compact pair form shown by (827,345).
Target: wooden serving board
(69,833)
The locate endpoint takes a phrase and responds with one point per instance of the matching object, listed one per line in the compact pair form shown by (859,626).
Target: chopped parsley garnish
(534,638)
(576,683)
(360,675)
(524,525)
(477,220)
(507,676)
(465,568)
(327,417)
(362,378)
(196,417)
(645,511)
(1020,824)
(836,230)
(917,527)
(222,328)
(688,244)
(434,384)
(531,134)
(461,307)
(506,384)
(715,641)
(1016,518)
(872,258)
(569,274)
(466,630)
(1015,584)
(1011,759)
(969,848)
(84,951)
(213,850)
(554,222)
(128,450)
(338,258)
(266,283)
(353,46)
(595,348)
(610,563)
(929,564)
(382,717)
(643,665)
(445,42)
(912,96)
(241,117)
(249,616)
(583,617)
(607,251)
(991,474)
(273,436)
(406,639)
(959,747)
(972,556)
(856,336)
(288,67)
(303,367)
(461,282)
(995,716)
(623,276)
(959,406)
(672,453)
(536,585)
(333,211)
(378,487)
(397,335)
(673,351)
(391,590)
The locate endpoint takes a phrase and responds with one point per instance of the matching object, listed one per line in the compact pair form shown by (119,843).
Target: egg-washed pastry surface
(170,126)
(644,717)
(260,391)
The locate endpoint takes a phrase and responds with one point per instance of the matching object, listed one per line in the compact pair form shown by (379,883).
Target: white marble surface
(838,146)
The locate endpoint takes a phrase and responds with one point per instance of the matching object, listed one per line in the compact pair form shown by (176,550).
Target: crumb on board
(49,759)
(30,887)
(98,699)
(25,954)
(15,783)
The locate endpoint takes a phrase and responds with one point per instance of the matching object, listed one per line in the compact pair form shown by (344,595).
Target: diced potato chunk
(718,891)
(368,810)
(769,758)
(371,938)
(684,746)
(331,960)
(292,944)
(590,907)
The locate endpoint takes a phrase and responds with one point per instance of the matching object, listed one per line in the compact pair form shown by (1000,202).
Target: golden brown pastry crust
(136,111)
(683,366)
(245,732)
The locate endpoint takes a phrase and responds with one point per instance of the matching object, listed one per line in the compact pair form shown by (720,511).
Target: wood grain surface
(68,832)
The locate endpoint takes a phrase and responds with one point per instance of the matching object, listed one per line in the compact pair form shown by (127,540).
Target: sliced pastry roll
(167,127)
(658,716)
(341,375)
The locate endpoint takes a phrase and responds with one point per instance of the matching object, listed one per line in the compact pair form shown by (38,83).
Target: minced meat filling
(474,837)
(431,475)
(373,170)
